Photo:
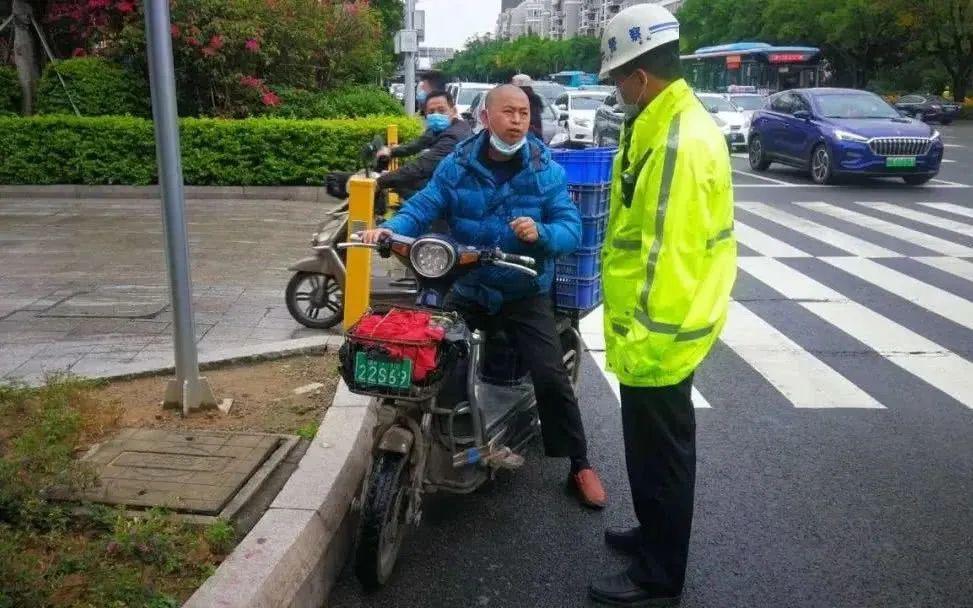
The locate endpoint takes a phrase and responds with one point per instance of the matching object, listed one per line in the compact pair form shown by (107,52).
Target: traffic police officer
(669,262)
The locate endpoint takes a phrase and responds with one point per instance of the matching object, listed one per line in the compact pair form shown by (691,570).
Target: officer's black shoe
(620,590)
(625,540)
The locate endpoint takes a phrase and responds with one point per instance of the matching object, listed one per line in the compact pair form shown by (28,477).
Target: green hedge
(349,102)
(121,150)
(97,86)
(9,91)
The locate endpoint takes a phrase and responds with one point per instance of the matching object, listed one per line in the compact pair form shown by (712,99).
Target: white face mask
(504,148)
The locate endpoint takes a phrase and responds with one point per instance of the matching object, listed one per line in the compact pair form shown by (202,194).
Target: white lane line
(946,160)
(929,361)
(952,208)
(592,331)
(785,186)
(954,266)
(764,244)
(922,218)
(945,304)
(802,378)
(945,184)
(953,146)
(907,234)
(826,234)
(762,177)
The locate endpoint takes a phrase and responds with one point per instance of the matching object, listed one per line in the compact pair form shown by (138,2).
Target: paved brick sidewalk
(83,282)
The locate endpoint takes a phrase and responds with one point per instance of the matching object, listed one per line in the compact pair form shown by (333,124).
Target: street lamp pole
(188,388)
(409,61)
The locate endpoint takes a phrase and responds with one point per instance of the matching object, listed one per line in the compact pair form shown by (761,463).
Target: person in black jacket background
(444,129)
(536,104)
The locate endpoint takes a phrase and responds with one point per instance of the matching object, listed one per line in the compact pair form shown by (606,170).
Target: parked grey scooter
(315,292)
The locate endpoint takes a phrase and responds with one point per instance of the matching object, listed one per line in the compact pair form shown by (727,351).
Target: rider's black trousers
(529,324)
(659,425)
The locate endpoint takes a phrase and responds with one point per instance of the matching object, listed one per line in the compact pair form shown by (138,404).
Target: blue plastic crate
(592,201)
(584,263)
(592,166)
(593,231)
(576,293)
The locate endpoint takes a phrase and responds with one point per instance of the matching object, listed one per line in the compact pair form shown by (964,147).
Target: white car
(729,118)
(465,92)
(748,102)
(581,107)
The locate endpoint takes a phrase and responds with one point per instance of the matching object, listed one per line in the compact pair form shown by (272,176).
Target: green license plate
(900,162)
(378,372)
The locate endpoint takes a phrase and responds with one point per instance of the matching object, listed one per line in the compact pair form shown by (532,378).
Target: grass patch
(307,431)
(50,556)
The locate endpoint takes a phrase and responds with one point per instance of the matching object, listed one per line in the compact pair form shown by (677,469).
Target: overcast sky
(451,22)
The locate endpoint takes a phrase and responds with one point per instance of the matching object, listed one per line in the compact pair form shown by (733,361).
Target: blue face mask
(504,148)
(437,123)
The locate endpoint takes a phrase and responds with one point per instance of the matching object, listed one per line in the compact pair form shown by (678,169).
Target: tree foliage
(868,42)
(498,60)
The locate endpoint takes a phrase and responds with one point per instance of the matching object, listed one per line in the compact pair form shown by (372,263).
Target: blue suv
(836,132)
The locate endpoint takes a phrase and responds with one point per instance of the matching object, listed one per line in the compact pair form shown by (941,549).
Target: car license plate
(900,162)
(379,372)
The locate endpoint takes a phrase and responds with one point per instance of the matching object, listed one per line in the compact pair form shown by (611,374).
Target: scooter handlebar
(515,266)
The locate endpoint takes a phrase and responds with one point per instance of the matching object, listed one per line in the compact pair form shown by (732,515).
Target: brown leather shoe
(590,491)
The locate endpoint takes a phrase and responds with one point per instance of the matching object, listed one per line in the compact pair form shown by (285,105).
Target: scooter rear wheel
(383,522)
(315,300)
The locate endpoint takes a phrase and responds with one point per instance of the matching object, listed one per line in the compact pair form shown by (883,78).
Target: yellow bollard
(392,139)
(358,265)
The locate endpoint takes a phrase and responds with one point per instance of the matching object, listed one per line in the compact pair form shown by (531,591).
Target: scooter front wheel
(315,300)
(383,522)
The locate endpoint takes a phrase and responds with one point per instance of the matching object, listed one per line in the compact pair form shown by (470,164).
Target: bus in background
(574,78)
(765,68)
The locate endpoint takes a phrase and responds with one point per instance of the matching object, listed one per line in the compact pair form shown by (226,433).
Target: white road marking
(762,177)
(946,160)
(805,380)
(942,183)
(954,266)
(592,331)
(923,218)
(952,208)
(764,244)
(945,304)
(915,354)
(953,146)
(826,234)
(907,234)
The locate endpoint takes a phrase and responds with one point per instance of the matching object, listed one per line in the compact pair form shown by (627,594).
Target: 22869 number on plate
(378,372)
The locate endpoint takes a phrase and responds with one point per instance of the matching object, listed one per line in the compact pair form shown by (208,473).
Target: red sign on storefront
(733,61)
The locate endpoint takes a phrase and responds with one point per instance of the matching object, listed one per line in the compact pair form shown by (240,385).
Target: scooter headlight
(432,258)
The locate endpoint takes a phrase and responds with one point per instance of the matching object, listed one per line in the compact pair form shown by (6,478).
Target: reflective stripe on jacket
(669,260)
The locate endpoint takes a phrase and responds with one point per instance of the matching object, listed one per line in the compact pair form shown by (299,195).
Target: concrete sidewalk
(83,284)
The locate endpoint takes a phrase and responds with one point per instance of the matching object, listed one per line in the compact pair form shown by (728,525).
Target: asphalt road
(835,425)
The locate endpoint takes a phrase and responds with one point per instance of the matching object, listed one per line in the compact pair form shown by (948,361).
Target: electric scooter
(470,417)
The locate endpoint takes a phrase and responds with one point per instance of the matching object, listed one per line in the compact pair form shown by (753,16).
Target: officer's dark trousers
(659,425)
(529,323)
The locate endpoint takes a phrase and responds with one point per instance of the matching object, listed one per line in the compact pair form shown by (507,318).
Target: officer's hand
(525,229)
(372,237)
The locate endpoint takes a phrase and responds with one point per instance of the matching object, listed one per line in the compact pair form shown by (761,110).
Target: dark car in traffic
(834,132)
(928,108)
(608,123)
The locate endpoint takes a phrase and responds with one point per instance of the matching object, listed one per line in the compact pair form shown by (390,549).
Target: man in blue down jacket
(501,189)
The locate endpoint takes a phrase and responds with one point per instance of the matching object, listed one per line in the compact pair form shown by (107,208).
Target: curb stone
(294,554)
(70,191)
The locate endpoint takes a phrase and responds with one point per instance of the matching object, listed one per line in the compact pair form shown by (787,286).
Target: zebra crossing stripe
(826,234)
(805,380)
(951,208)
(764,244)
(895,230)
(954,266)
(945,304)
(922,218)
(915,354)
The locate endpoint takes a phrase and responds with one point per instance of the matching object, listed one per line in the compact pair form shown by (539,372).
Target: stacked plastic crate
(578,280)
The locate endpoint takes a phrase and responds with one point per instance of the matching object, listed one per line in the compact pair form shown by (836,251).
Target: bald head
(506,113)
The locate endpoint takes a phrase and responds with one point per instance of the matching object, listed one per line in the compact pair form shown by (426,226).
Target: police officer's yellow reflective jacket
(669,259)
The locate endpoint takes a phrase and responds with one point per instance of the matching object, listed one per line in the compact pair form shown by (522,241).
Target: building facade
(559,19)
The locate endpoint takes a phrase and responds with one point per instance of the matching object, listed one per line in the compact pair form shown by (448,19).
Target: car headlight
(849,136)
(719,121)
(432,258)
(582,122)
(935,136)
(559,138)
